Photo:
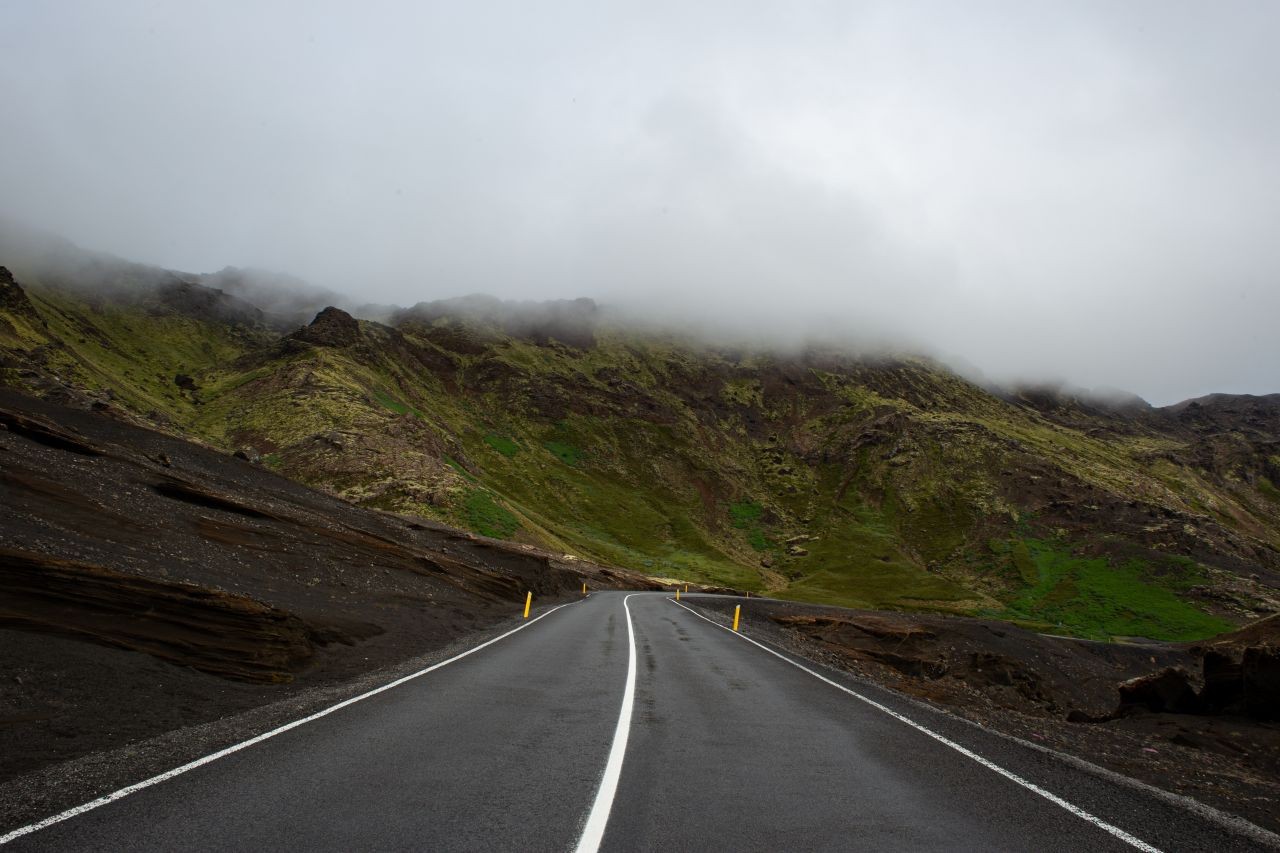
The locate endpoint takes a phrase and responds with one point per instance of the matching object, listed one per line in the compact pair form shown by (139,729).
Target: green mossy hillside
(820,476)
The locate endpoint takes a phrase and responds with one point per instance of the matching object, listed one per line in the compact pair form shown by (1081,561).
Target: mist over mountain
(285,302)
(1081,193)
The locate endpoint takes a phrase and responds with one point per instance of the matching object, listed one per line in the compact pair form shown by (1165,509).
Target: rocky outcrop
(1168,691)
(206,303)
(1242,671)
(1241,677)
(13,299)
(332,327)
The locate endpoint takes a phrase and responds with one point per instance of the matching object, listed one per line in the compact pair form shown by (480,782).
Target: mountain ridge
(867,480)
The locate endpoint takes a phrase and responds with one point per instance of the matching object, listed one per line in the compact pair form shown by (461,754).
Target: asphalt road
(729,746)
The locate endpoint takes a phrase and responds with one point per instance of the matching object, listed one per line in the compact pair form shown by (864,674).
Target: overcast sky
(1078,190)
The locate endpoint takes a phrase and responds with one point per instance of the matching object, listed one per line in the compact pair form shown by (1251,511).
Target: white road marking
(598,819)
(990,765)
(199,762)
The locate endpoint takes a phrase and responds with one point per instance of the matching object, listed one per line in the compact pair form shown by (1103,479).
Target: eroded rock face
(1247,684)
(232,636)
(207,304)
(332,327)
(1242,671)
(1241,677)
(1261,676)
(13,298)
(1169,691)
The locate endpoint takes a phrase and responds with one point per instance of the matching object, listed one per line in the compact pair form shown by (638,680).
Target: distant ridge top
(332,327)
(568,321)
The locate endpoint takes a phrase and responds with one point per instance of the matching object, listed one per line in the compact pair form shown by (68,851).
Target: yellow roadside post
(528,602)
(584,587)
(737,611)
(677,593)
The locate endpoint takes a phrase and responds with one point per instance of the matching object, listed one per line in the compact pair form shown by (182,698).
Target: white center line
(598,819)
(990,765)
(178,771)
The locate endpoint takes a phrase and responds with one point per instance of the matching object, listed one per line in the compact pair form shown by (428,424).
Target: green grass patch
(388,402)
(856,561)
(488,518)
(564,451)
(1024,563)
(745,513)
(1099,598)
(502,444)
(1013,558)
(872,585)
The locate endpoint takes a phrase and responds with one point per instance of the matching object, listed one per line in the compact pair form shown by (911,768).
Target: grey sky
(1078,190)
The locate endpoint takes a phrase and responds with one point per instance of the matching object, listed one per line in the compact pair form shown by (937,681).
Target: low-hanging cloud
(1086,191)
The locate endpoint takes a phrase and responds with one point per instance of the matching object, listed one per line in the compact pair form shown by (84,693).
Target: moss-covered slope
(873,482)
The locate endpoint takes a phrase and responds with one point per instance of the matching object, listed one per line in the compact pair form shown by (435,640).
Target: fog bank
(1086,192)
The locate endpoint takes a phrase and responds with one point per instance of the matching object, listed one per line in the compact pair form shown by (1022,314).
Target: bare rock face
(1242,671)
(8,287)
(332,327)
(1238,681)
(1168,691)
(221,633)
(205,303)
(1261,671)
(13,298)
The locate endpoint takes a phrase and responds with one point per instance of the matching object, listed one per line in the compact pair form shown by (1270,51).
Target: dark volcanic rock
(1168,691)
(248,454)
(1242,671)
(229,635)
(205,303)
(13,298)
(1261,674)
(332,327)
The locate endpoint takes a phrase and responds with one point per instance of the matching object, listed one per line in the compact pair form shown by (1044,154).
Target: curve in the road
(712,747)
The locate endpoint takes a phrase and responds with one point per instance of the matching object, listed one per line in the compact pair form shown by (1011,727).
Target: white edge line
(598,818)
(990,765)
(199,762)
(1230,823)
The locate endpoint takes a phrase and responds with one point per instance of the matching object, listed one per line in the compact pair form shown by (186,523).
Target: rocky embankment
(148,584)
